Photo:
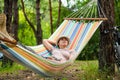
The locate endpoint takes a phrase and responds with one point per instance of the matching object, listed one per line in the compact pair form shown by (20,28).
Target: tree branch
(23,8)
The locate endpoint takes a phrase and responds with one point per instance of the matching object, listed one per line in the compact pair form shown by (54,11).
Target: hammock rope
(76,26)
(83,11)
(88,12)
(100,9)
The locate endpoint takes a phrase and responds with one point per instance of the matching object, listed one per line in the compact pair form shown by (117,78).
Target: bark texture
(106,55)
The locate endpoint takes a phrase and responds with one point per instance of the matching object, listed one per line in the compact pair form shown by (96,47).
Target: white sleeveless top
(62,55)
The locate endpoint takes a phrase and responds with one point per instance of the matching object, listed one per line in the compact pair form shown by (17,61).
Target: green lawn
(80,70)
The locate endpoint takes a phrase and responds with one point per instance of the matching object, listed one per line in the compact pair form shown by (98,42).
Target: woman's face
(63,43)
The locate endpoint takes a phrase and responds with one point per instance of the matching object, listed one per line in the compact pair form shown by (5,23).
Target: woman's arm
(48,44)
(73,54)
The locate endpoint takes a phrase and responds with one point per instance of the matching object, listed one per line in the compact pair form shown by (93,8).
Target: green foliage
(78,4)
(25,33)
(46,29)
(1,6)
(91,50)
(64,13)
(117,12)
(45,18)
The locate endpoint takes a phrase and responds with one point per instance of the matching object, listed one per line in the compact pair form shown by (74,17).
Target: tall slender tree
(59,10)
(50,10)
(15,19)
(39,30)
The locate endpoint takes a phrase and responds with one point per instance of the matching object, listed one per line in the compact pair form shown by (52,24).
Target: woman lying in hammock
(62,53)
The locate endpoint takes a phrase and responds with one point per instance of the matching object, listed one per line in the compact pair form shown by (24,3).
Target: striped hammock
(34,57)
(79,33)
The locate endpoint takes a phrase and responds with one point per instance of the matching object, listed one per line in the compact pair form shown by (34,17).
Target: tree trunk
(59,10)
(15,19)
(106,55)
(39,30)
(8,12)
(50,8)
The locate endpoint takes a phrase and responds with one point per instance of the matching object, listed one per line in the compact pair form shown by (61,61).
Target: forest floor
(74,72)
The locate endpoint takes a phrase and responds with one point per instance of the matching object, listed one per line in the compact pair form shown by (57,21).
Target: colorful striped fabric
(79,34)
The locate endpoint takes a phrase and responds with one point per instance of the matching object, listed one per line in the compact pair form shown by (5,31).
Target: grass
(80,70)
(16,67)
(88,70)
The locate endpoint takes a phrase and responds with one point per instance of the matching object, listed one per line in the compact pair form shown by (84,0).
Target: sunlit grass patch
(16,67)
(89,71)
